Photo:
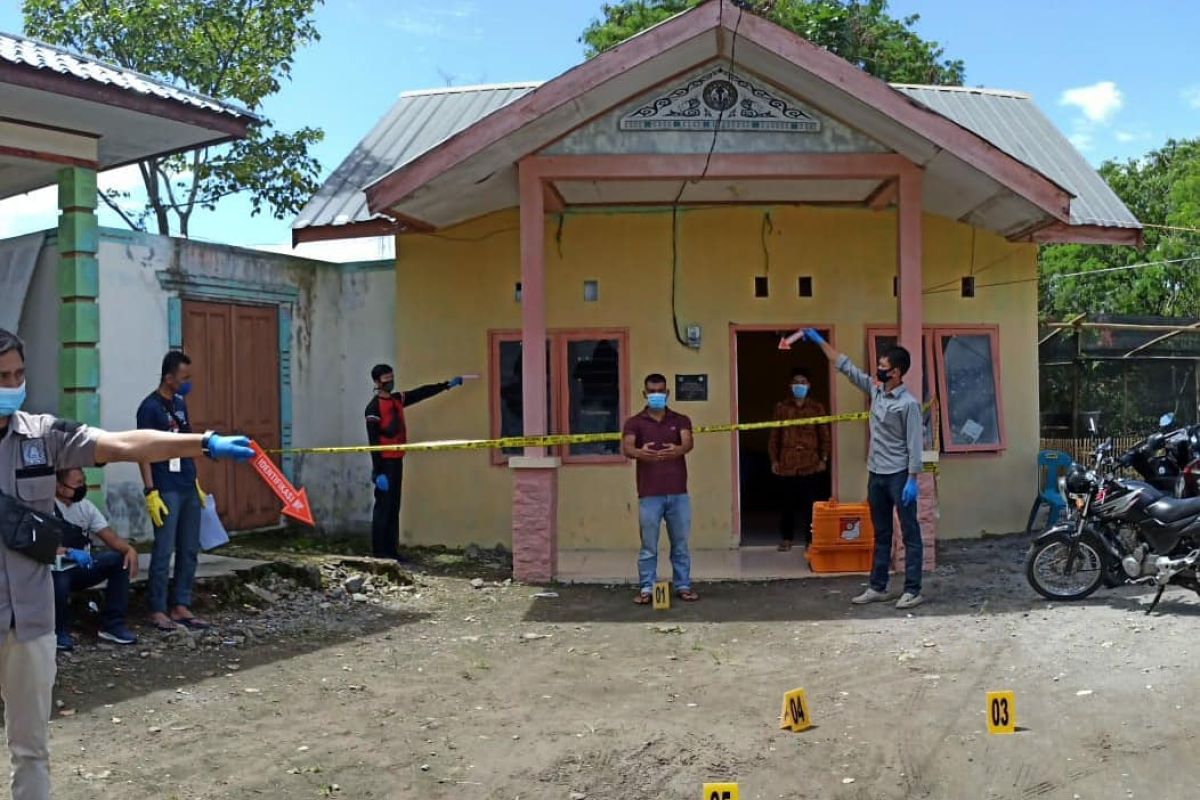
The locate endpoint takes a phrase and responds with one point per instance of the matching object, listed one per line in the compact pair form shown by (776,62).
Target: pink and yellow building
(673,205)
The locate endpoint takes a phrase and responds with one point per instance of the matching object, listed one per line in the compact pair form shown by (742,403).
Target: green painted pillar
(79,292)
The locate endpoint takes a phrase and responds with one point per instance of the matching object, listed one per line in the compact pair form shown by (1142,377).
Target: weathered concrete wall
(342,323)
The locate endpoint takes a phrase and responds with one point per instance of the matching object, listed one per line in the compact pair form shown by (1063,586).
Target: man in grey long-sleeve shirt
(893,464)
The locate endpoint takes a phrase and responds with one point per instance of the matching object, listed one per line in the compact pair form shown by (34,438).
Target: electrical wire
(684,184)
(1082,274)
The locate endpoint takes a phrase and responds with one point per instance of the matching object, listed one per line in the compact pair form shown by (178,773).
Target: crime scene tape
(556,440)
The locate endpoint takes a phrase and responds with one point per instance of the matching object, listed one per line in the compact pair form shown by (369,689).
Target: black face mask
(78,493)
(884,375)
(388,387)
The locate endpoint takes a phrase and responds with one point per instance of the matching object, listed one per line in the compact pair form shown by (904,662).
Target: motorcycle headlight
(1062,486)
(1078,481)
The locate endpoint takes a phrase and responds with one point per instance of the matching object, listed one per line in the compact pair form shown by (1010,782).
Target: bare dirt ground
(448,690)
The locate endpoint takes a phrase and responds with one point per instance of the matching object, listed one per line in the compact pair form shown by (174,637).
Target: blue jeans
(180,534)
(109,566)
(883,493)
(676,509)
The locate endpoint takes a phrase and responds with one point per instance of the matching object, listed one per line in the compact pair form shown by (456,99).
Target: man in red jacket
(385,426)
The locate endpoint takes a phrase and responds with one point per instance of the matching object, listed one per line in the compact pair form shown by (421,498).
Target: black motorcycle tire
(1086,542)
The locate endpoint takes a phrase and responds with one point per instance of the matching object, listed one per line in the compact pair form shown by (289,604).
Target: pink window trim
(559,387)
(993,334)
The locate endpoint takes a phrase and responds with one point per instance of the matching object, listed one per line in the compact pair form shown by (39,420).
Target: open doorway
(763,375)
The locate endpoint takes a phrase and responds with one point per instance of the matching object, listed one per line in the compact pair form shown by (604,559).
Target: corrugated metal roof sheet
(1014,123)
(30,53)
(417,123)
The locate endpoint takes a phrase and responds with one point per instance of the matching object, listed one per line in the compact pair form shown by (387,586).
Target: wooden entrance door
(235,372)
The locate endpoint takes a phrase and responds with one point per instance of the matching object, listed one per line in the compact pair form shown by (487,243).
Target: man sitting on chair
(78,568)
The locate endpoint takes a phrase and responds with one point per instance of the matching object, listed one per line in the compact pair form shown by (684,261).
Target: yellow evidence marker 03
(720,791)
(1001,712)
(662,596)
(795,716)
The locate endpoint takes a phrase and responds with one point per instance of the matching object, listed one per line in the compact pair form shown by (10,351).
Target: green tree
(236,50)
(860,31)
(1161,188)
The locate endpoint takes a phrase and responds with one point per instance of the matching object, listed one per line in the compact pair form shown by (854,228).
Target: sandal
(785,547)
(642,599)
(687,595)
(169,626)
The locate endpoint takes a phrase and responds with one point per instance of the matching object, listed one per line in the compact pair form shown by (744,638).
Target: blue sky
(1119,81)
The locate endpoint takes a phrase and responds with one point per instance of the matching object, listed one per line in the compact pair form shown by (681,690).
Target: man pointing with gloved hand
(893,465)
(386,426)
(33,447)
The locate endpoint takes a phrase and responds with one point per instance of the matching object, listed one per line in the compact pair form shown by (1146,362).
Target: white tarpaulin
(18,257)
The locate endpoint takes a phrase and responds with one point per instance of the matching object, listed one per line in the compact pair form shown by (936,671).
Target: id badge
(175,465)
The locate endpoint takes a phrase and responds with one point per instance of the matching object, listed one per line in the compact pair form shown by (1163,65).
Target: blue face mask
(657,401)
(185,389)
(799,391)
(11,400)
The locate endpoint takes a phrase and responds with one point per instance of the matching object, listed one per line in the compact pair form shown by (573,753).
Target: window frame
(993,334)
(935,361)
(557,340)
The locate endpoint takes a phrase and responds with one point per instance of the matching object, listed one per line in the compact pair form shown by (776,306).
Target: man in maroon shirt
(658,439)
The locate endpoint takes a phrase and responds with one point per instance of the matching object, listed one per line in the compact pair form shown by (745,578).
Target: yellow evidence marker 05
(1001,712)
(720,791)
(662,596)
(795,716)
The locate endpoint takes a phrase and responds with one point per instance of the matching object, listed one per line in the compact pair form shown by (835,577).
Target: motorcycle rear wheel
(1045,568)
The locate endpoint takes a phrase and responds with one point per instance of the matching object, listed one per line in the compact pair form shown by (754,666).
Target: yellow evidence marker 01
(1001,712)
(795,716)
(720,791)
(662,596)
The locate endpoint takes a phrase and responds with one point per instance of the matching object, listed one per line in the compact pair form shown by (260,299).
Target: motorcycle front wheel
(1046,567)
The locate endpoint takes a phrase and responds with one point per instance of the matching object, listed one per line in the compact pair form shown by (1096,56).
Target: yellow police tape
(556,440)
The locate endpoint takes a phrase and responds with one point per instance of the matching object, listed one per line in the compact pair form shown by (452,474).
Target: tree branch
(108,201)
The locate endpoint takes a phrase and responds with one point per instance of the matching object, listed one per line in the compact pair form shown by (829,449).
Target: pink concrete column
(535,476)
(535,518)
(909,258)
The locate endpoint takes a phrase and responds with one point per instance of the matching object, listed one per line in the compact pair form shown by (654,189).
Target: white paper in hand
(212,532)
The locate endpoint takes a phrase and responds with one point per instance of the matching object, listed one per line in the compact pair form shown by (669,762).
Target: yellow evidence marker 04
(720,791)
(795,716)
(1001,712)
(662,596)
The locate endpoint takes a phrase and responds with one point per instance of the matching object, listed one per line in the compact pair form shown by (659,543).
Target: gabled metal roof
(1012,122)
(417,123)
(20,51)
(421,120)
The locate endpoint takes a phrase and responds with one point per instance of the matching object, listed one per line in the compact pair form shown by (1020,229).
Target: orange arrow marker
(295,501)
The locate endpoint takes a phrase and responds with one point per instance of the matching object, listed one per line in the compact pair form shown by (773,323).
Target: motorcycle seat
(1172,509)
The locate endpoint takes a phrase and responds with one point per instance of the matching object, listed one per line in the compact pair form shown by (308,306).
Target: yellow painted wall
(453,287)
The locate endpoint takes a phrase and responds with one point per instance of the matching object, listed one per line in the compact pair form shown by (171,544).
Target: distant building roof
(1014,123)
(421,120)
(21,51)
(417,122)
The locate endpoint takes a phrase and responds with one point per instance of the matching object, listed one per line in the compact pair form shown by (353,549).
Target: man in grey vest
(33,447)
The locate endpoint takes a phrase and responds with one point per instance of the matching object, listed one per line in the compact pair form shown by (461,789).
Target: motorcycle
(1121,531)
(1162,457)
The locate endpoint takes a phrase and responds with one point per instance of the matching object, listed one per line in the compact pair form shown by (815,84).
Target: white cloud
(1125,137)
(1098,102)
(448,22)
(1191,96)
(1082,141)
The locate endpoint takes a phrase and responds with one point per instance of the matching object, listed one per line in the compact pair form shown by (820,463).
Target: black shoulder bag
(32,533)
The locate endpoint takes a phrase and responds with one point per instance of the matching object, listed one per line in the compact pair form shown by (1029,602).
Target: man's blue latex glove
(381,483)
(909,495)
(81,557)
(813,336)
(236,448)
(455,382)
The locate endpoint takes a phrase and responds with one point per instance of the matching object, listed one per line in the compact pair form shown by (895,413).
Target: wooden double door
(235,377)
